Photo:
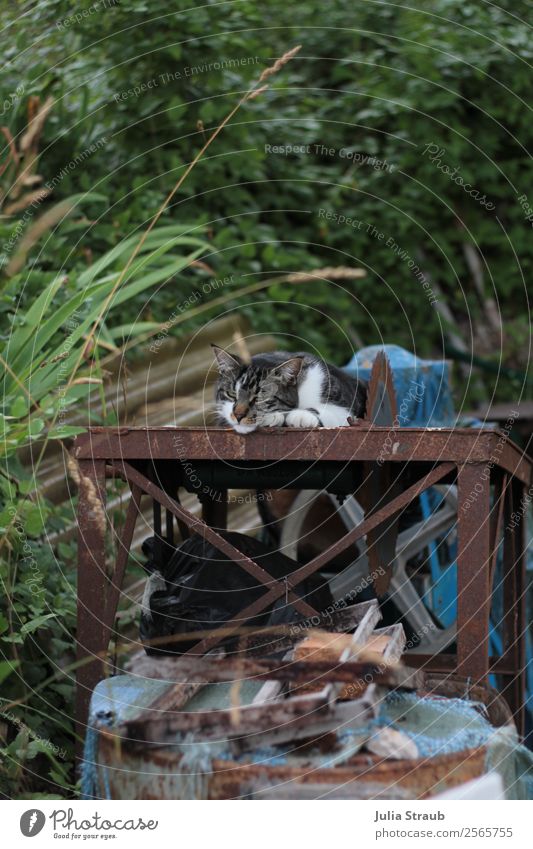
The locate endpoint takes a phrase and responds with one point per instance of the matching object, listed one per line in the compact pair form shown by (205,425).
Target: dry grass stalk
(42,225)
(240,343)
(339,273)
(39,113)
(256,92)
(279,63)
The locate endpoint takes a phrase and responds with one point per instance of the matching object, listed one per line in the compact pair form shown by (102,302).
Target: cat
(285,390)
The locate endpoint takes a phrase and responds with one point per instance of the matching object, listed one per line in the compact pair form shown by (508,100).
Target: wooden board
(273,717)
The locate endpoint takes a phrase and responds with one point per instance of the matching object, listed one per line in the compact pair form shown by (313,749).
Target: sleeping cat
(285,390)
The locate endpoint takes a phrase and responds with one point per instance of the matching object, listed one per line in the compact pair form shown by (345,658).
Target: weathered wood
(396,642)
(209,670)
(161,722)
(359,638)
(352,713)
(349,791)
(336,620)
(219,724)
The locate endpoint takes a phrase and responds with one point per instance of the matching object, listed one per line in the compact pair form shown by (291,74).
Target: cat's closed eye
(279,389)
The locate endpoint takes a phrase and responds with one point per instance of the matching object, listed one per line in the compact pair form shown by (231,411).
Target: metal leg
(380,485)
(92,582)
(215,509)
(473,572)
(114,584)
(514,601)
(169,527)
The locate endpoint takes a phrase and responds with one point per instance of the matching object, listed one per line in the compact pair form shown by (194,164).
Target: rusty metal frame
(463,455)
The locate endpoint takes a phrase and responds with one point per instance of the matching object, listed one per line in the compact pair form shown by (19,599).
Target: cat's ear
(289,370)
(228,364)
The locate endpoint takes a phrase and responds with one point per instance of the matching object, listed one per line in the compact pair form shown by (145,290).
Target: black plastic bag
(198,588)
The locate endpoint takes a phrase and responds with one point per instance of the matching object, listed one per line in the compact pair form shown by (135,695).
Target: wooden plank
(359,638)
(219,724)
(350,790)
(208,669)
(396,642)
(161,725)
(351,713)
(363,616)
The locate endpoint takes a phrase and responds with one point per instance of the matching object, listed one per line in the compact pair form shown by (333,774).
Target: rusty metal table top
(362,442)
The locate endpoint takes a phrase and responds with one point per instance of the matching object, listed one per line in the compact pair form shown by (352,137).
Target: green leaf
(15,639)
(125,331)
(7,667)
(19,407)
(33,624)
(35,426)
(65,431)
(34,520)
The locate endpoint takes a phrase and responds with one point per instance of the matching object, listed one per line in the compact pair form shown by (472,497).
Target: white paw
(272,420)
(301,418)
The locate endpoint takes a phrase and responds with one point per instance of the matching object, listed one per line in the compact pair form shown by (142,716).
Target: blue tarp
(423,393)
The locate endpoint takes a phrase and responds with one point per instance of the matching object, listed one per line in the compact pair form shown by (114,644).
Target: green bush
(380,83)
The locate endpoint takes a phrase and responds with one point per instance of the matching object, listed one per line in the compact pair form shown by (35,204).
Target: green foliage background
(373,79)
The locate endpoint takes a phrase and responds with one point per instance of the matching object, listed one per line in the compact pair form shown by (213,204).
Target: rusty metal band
(394,506)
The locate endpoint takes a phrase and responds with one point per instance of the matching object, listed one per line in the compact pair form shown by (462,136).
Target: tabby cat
(285,390)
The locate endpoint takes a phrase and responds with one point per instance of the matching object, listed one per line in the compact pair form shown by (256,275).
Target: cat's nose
(239,411)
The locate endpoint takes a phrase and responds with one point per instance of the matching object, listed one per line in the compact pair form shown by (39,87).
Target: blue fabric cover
(423,393)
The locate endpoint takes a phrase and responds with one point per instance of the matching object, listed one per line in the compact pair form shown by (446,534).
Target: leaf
(14,639)
(49,219)
(28,349)
(34,521)
(35,426)
(33,624)
(158,237)
(30,796)
(6,668)
(19,407)
(65,431)
(32,318)
(125,331)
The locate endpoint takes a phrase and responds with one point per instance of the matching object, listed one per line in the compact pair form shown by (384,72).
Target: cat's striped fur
(285,390)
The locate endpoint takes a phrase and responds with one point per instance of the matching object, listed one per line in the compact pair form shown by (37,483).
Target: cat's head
(247,393)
